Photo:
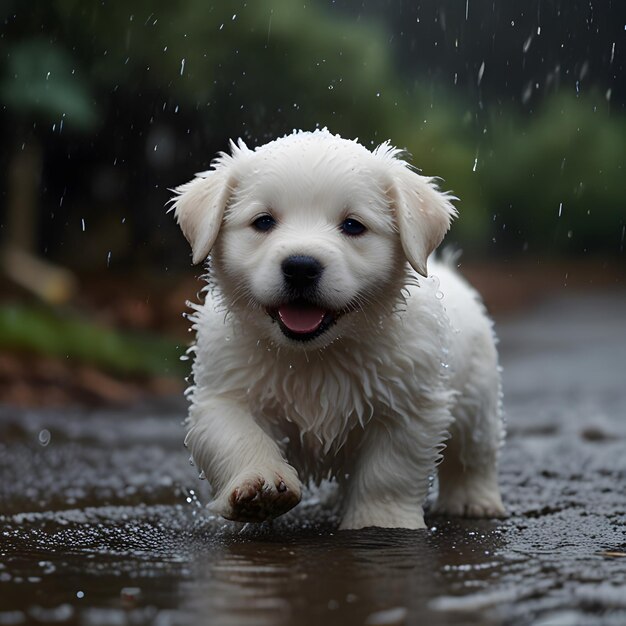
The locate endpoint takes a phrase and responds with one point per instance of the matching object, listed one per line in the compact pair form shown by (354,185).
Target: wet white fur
(373,400)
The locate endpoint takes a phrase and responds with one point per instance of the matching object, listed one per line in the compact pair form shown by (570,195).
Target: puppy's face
(302,247)
(307,247)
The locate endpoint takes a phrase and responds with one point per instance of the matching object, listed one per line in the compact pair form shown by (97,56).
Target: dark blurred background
(518,107)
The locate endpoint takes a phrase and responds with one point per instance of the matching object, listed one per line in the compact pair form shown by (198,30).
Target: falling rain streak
(481,71)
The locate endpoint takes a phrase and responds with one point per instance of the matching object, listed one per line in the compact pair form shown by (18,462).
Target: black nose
(301,271)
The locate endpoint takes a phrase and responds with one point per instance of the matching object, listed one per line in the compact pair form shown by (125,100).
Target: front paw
(256,496)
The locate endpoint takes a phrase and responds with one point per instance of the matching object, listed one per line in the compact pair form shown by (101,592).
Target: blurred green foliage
(45,331)
(38,82)
(556,180)
(156,91)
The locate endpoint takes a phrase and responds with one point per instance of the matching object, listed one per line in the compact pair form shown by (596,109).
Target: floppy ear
(199,205)
(199,209)
(423,214)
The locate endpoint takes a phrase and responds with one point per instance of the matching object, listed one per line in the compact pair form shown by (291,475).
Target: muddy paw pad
(255,500)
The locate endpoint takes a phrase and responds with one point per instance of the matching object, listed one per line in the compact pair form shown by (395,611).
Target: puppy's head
(311,230)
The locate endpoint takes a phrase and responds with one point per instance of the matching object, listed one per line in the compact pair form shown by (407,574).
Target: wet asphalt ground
(102,523)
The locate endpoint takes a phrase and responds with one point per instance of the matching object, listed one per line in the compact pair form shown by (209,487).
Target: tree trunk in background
(23,191)
(20,259)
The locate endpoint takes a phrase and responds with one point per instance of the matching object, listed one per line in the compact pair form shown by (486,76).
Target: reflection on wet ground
(101,518)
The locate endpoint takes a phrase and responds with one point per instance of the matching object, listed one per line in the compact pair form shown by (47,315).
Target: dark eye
(352,227)
(263,223)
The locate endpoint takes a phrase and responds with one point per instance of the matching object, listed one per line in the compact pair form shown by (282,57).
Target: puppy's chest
(326,400)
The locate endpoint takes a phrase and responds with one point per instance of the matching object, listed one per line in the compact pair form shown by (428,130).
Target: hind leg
(468,489)
(468,474)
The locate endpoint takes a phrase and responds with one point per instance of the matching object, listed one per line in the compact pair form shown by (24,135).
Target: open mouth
(302,321)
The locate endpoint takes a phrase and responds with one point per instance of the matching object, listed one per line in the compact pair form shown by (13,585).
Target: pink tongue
(301,320)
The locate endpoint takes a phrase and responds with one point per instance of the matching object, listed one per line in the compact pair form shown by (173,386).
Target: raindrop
(481,71)
(80,594)
(108,258)
(475,164)
(82,223)
(44,437)
(182,66)
(528,92)
(527,43)
(612,52)
(560,209)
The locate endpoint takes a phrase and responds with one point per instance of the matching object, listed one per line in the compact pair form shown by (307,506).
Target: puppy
(324,350)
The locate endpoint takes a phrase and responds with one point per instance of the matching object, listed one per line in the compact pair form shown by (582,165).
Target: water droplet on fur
(202,475)
(191,461)
(439,295)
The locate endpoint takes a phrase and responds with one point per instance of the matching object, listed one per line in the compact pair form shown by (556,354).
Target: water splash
(44,437)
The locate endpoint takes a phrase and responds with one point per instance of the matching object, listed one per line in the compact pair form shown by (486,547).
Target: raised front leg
(250,479)
(390,479)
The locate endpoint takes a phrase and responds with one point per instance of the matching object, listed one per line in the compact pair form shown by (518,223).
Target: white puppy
(320,353)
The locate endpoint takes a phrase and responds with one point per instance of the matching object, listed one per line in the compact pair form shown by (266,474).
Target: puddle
(102,523)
